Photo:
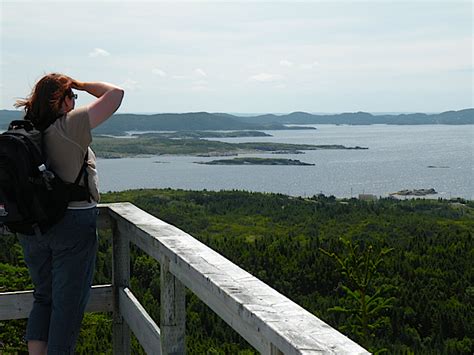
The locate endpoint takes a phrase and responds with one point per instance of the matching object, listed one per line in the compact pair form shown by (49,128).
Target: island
(415,192)
(255,161)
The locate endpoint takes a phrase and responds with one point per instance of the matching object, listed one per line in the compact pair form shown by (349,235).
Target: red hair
(43,105)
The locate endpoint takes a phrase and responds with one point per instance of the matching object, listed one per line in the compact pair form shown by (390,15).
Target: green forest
(396,276)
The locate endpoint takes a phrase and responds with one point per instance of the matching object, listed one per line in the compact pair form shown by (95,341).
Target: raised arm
(109,98)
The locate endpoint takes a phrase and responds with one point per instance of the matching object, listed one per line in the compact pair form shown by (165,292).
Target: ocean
(399,157)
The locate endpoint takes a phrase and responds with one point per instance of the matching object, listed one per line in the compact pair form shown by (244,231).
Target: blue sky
(248,56)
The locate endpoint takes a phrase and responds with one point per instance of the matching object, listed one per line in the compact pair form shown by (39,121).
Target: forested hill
(420,291)
(363,118)
(192,121)
(221,121)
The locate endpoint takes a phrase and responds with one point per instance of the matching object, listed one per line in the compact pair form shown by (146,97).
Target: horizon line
(274,113)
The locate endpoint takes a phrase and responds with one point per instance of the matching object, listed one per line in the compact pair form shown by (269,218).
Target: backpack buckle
(21,124)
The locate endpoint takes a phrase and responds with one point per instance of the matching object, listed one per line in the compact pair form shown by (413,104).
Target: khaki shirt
(66,141)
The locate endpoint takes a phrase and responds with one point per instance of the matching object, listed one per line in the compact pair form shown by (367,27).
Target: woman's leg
(37,347)
(74,250)
(38,258)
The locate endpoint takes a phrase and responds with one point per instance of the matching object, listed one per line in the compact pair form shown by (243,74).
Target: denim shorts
(61,264)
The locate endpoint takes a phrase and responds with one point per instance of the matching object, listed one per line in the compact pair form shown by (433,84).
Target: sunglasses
(70,94)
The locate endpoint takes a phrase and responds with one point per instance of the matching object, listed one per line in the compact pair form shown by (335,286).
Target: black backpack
(32,198)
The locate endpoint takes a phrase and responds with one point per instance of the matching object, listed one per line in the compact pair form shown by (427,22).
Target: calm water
(398,158)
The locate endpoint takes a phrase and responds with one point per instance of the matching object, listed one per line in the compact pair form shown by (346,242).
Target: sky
(248,56)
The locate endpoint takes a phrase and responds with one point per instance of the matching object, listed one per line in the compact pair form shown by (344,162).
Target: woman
(61,262)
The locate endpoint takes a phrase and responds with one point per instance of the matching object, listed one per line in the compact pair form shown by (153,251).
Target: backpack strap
(77,192)
(19,124)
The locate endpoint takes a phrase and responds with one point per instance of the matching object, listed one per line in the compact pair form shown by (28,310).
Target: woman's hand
(109,97)
(76,84)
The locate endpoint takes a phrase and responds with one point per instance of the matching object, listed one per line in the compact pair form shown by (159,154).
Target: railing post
(120,279)
(173,312)
(274,350)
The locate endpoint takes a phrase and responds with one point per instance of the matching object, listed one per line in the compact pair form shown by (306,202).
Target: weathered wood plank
(17,305)
(140,232)
(173,312)
(140,322)
(101,299)
(259,313)
(274,350)
(120,279)
(103,219)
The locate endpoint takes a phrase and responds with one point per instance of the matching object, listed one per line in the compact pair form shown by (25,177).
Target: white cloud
(196,75)
(286,63)
(99,52)
(265,77)
(200,72)
(223,38)
(310,66)
(280,86)
(130,84)
(158,72)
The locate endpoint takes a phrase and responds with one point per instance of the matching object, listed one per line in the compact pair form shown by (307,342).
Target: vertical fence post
(173,312)
(120,279)
(274,350)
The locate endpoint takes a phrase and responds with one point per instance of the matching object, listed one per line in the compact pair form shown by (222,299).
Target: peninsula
(201,134)
(110,147)
(255,161)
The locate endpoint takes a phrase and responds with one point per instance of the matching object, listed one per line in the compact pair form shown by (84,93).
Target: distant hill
(193,121)
(363,118)
(222,121)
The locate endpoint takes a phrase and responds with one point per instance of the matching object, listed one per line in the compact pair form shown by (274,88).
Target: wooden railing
(269,321)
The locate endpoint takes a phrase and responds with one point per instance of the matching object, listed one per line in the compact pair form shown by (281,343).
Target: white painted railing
(269,321)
